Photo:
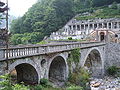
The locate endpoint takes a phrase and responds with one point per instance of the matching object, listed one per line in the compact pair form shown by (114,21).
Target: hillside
(47,16)
(112,11)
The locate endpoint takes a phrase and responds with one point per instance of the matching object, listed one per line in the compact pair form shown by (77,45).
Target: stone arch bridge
(33,62)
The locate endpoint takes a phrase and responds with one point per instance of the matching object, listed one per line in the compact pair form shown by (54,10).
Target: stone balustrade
(26,51)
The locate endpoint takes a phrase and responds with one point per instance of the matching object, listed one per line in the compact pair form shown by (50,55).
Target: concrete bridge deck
(33,50)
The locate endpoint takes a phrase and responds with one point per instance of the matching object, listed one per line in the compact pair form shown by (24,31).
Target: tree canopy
(47,16)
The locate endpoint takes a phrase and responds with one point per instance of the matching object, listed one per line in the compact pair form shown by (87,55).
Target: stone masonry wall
(112,55)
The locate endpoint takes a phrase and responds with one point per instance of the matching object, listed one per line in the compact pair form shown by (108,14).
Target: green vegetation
(112,70)
(44,85)
(42,42)
(74,57)
(70,38)
(79,77)
(6,84)
(103,12)
(74,88)
(26,38)
(47,16)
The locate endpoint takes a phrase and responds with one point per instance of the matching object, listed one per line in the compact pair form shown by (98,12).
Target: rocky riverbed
(107,83)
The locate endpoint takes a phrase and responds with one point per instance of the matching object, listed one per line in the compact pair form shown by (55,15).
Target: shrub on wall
(69,38)
(112,70)
(74,56)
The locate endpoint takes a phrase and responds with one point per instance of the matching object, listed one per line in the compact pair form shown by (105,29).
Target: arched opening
(94,63)
(58,71)
(25,73)
(102,36)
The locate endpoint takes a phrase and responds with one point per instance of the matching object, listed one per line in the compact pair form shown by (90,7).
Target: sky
(19,7)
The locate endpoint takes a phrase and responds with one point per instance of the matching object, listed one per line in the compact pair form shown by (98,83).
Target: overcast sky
(19,7)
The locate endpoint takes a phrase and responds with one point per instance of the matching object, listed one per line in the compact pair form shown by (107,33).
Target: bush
(6,84)
(70,38)
(42,42)
(38,87)
(74,88)
(19,87)
(45,83)
(112,70)
(79,78)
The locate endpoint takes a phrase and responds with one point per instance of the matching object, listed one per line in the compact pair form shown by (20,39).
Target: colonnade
(107,25)
(84,27)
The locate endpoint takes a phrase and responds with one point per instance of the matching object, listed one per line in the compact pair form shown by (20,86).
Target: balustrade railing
(18,52)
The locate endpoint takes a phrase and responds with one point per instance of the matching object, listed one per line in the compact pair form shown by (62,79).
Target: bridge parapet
(26,51)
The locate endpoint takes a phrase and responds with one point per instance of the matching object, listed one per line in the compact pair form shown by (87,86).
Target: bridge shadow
(58,71)
(94,63)
(24,73)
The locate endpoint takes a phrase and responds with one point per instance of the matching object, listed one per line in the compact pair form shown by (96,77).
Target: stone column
(84,26)
(107,25)
(93,26)
(117,25)
(88,28)
(97,36)
(102,25)
(111,25)
(71,27)
(106,39)
(97,25)
(80,27)
(76,27)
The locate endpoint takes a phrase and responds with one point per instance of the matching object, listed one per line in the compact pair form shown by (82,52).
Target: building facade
(80,29)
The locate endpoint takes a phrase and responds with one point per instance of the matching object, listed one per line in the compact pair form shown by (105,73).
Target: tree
(47,16)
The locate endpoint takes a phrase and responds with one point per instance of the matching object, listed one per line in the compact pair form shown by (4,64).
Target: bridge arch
(27,71)
(58,69)
(94,62)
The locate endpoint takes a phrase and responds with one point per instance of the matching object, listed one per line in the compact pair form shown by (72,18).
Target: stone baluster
(17,52)
(26,51)
(22,51)
(36,50)
(2,54)
(10,53)
(14,52)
